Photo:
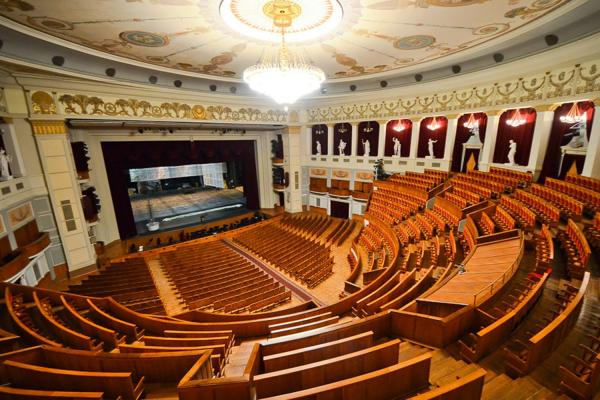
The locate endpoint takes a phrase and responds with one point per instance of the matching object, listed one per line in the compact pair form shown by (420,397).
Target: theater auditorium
(300,199)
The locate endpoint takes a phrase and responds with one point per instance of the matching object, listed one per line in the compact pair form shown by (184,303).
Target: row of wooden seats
(306,260)
(581,379)
(456,199)
(526,219)
(434,176)
(483,187)
(339,235)
(584,181)
(450,247)
(522,356)
(503,219)
(544,247)
(590,198)
(214,276)
(486,224)
(310,225)
(592,232)
(569,207)
(494,325)
(129,282)
(577,249)
(469,196)
(525,178)
(451,218)
(38,370)
(426,227)
(545,211)
(468,237)
(349,361)
(499,181)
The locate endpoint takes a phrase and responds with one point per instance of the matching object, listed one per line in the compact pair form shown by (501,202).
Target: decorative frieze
(575,81)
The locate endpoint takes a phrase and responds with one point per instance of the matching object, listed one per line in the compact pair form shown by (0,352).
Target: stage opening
(171,197)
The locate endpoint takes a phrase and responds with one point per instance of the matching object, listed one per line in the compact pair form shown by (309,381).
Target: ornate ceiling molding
(577,82)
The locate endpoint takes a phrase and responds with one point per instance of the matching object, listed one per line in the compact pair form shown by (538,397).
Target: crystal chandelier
(472,122)
(434,124)
(516,119)
(285,76)
(399,127)
(573,116)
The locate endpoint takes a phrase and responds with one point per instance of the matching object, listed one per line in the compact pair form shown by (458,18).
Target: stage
(176,209)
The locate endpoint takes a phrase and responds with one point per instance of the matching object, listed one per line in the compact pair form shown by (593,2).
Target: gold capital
(48,127)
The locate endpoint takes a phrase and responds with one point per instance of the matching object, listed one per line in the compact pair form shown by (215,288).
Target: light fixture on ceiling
(285,76)
(573,116)
(319,130)
(399,127)
(517,119)
(472,122)
(342,128)
(434,124)
(368,128)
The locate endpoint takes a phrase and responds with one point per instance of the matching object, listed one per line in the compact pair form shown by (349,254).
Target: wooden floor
(484,273)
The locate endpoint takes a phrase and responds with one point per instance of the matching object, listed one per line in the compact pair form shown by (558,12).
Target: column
(541,136)
(330,151)
(63,188)
(491,132)
(591,166)
(381,143)
(414,137)
(450,136)
(291,152)
(354,139)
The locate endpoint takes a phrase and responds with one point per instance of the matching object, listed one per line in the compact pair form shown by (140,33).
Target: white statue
(397,147)
(512,151)
(366,148)
(430,148)
(4,169)
(342,148)
(579,133)
(318,148)
(474,138)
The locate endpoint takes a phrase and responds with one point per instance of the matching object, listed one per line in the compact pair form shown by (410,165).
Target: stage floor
(174,210)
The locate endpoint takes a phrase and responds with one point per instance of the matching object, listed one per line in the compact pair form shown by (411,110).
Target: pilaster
(491,132)
(292,152)
(541,136)
(450,135)
(381,142)
(59,172)
(354,139)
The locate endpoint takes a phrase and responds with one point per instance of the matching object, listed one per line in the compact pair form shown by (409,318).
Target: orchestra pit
(300,199)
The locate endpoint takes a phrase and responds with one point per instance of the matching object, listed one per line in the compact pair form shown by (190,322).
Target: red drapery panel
(558,139)
(342,132)
(462,135)
(439,135)
(368,130)
(402,130)
(319,134)
(522,135)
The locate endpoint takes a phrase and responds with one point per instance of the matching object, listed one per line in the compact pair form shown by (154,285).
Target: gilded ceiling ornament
(491,29)
(15,5)
(50,23)
(144,39)
(414,42)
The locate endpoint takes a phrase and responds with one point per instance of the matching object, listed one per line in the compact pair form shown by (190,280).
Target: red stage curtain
(404,136)
(342,131)
(368,130)
(523,135)
(439,134)
(558,139)
(462,135)
(319,133)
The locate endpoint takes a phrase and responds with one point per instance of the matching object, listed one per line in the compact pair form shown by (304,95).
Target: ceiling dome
(348,40)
